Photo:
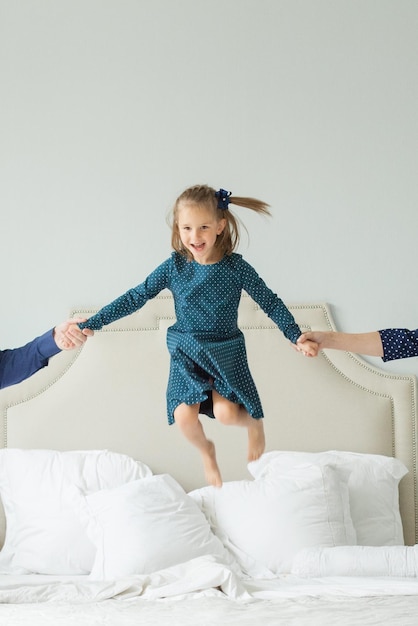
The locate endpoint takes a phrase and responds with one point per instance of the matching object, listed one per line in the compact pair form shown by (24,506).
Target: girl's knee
(185,414)
(227,413)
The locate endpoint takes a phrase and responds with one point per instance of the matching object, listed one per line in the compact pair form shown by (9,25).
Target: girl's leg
(187,419)
(232,414)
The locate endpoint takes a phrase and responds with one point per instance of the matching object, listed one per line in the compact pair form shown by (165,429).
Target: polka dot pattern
(206,346)
(399,343)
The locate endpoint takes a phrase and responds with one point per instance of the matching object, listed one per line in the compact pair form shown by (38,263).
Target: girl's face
(199,228)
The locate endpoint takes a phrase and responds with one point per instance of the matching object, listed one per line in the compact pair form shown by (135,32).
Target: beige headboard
(111,394)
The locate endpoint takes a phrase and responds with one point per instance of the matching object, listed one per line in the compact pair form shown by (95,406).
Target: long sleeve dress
(206,347)
(20,363)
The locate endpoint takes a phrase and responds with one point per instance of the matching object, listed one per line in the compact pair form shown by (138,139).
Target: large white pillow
(40,494)
(147,525)
(266,522)
(373,489)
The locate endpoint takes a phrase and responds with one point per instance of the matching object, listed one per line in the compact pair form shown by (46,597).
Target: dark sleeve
(132,300)
(399,343)
(20,363)
(271,304)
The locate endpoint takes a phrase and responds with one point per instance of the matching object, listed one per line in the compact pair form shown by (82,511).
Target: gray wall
(110,108)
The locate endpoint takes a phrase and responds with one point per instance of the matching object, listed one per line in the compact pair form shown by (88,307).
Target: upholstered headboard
(111,394)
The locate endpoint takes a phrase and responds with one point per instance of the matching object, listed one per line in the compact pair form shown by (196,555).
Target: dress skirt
(200,364)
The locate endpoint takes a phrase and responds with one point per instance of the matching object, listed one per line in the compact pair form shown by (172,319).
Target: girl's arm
(132,300)
(274,307)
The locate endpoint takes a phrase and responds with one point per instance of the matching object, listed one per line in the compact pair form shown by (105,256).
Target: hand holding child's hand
(68,335)
(307,347)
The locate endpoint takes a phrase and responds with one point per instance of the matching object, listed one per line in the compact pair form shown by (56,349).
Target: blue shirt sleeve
(132,300)
(20,363)
(399,343)
(271,304)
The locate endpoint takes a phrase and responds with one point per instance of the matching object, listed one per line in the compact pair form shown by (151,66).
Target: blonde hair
(203,195)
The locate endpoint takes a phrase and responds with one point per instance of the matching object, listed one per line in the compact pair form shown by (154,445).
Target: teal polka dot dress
(207,348)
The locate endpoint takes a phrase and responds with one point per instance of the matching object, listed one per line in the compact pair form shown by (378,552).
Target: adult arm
(399,343)
(361,343)
(20,363)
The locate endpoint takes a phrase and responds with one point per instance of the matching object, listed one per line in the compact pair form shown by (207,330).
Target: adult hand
(68,335)
(307,346)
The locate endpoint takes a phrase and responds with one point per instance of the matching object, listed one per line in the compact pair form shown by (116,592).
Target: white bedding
(56,502)
(215,610)
(206,592)
(210,574)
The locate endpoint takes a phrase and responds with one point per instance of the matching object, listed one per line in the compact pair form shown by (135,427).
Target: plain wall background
(110,108)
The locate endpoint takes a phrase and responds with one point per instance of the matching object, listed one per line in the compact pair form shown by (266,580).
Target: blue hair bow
(223,198)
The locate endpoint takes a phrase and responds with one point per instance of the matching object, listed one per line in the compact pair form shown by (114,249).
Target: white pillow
(43,529)
(373,489)
(266,522)
(147,525)
(393,561)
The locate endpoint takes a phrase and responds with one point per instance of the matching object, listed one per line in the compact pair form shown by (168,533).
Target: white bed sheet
(206,592)
(211,611)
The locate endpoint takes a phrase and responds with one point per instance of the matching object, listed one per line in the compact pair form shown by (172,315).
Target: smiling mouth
(198,246)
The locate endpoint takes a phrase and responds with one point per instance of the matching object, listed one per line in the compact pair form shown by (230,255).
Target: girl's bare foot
(256,439)
(212,473)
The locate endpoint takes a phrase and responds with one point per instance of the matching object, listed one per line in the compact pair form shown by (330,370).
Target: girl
(209,373)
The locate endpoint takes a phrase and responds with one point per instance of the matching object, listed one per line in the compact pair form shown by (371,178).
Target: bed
(108,520)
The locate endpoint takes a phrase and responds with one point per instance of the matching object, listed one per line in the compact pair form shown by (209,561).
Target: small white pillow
(266,522)
(38,489)
(373,489)
(393,561)
(145,526)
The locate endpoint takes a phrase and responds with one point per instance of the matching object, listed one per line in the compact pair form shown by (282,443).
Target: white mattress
(206,592)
